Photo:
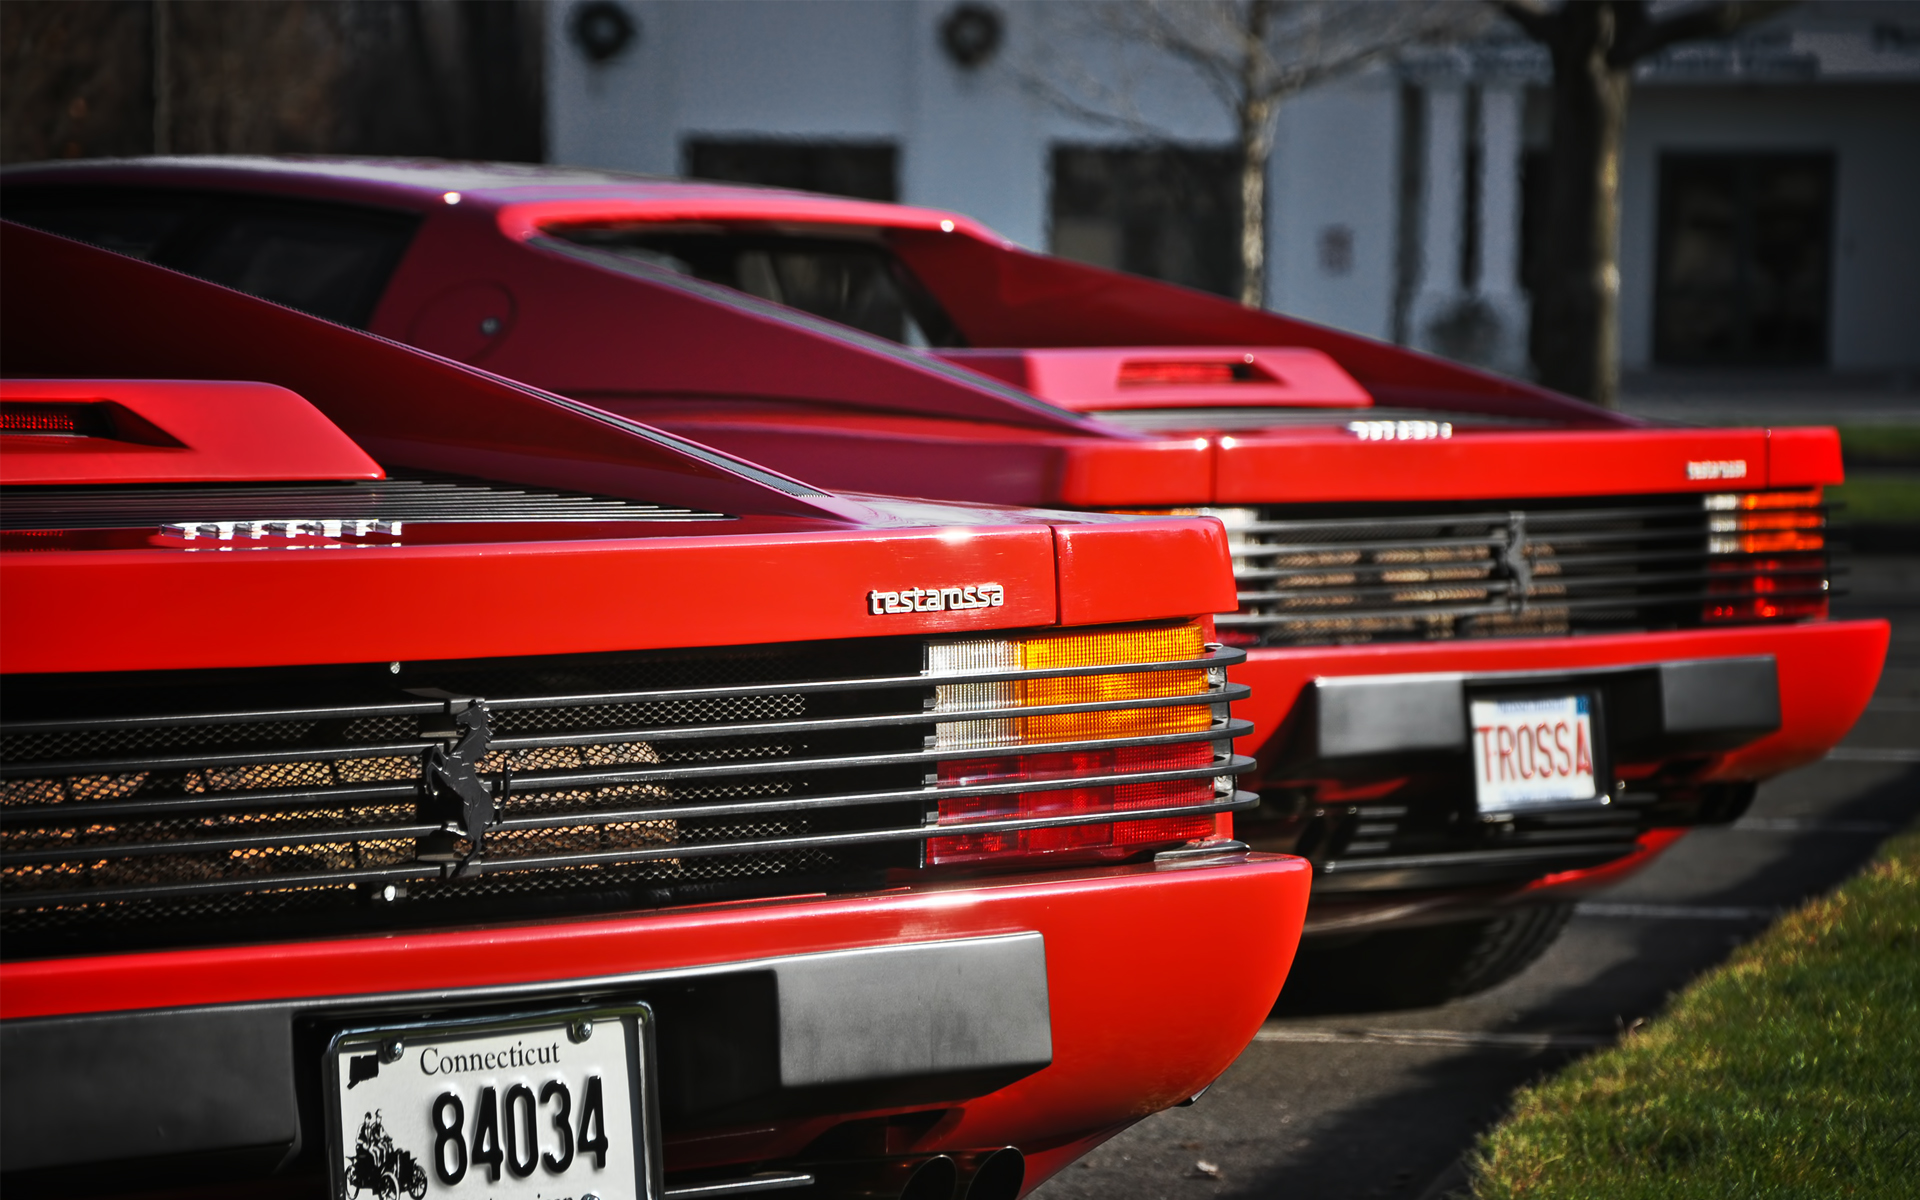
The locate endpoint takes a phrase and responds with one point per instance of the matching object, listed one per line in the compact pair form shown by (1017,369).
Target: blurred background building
(1770,226)
(1770,184)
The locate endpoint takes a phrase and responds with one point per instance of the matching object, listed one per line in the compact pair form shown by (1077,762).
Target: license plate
(547,1106)
(1533,752)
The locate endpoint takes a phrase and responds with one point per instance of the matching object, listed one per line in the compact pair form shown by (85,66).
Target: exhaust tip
(933,1179)
(998,1176)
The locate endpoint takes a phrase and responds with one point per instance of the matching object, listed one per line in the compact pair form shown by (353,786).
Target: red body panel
(629,329)
(364,604)
(1151,376)
(785,563)
(403,407)
(838,406)
(173,432)
(1803,456)
(1322,466)
(1109,1066)
(1105,578)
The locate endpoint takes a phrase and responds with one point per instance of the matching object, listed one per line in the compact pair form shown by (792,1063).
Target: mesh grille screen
(192,806)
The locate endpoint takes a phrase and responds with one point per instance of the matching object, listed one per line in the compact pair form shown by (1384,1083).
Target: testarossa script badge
(947,599)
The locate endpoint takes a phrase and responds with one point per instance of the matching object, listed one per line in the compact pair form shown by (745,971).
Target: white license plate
(1533,752)
(548,1106)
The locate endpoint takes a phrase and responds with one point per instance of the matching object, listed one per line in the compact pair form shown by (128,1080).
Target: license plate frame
(636,1114)
(1497,796)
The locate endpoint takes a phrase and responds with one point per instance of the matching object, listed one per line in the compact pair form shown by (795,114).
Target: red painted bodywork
(779,561)
(1827,674)
(1110,1066)
(1104,379)
(855,412)
(165,432)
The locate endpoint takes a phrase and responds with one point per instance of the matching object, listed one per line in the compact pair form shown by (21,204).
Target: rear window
(330,260)
(853,280)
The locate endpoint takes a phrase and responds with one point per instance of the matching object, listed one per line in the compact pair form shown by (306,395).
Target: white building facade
(1396,196)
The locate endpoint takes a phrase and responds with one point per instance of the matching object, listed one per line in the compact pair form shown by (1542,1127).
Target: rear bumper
(1826,672)
(1695,719)
(1001,1003)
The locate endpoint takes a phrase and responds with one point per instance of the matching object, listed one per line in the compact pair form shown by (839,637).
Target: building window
(864,170)
(1336,250)
(1745,252)
(1168,212)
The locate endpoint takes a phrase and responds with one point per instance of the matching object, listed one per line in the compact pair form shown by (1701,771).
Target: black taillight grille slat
(784,765)
(1538,567)
(128,766)
(269,884)
(210,802)
(190,842)
(332,835)
(1548,592)
(242,794)
(129,721)
(179,762)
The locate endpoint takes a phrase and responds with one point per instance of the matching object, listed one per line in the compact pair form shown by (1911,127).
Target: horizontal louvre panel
(310,793)
(1361,574)
(404,498)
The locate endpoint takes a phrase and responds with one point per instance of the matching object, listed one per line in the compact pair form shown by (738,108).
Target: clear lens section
(960,658)
(1123,704)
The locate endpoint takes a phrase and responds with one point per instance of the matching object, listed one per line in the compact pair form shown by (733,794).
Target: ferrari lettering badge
(1400,431)
(1732,468)
(947,599)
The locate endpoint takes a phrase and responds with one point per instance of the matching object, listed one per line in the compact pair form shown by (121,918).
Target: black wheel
(1419,967)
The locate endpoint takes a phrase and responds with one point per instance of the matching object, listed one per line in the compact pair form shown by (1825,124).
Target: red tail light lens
(58,420)
(1123,837)
(1137,372)
(1766,556)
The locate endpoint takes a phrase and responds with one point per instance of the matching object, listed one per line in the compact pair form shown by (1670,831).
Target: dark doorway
(863,170)
(1168,212)
(1745,253)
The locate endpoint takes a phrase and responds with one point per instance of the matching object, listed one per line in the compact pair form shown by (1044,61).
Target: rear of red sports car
(418,784)
(1504,646)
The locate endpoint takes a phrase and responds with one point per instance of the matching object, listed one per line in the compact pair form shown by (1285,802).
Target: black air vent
(170,806)
(1358,574)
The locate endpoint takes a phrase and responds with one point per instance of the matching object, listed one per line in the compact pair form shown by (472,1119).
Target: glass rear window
(852,281)
(330,260)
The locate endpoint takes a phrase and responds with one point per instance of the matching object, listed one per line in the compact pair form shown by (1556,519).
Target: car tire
(1420,967)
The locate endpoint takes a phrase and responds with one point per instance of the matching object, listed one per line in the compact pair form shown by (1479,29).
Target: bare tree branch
(1530,15)
(1251,55)
(1701,21)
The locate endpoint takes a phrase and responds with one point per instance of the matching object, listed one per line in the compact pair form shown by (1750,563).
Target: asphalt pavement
(1385,1104)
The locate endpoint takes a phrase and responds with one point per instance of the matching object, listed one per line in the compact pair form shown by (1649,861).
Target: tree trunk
(1256,147)
(1577,298)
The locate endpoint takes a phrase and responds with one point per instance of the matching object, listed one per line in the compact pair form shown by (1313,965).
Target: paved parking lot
(1383,1105)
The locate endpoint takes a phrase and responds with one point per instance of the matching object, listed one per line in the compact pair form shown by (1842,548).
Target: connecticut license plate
(549,1106)
(1533,752)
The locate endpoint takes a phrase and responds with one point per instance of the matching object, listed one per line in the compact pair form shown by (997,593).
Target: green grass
(1881,445)
(1878,498)
(1792,1071)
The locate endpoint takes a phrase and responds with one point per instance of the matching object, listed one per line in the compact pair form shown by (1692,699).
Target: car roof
(421,184)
